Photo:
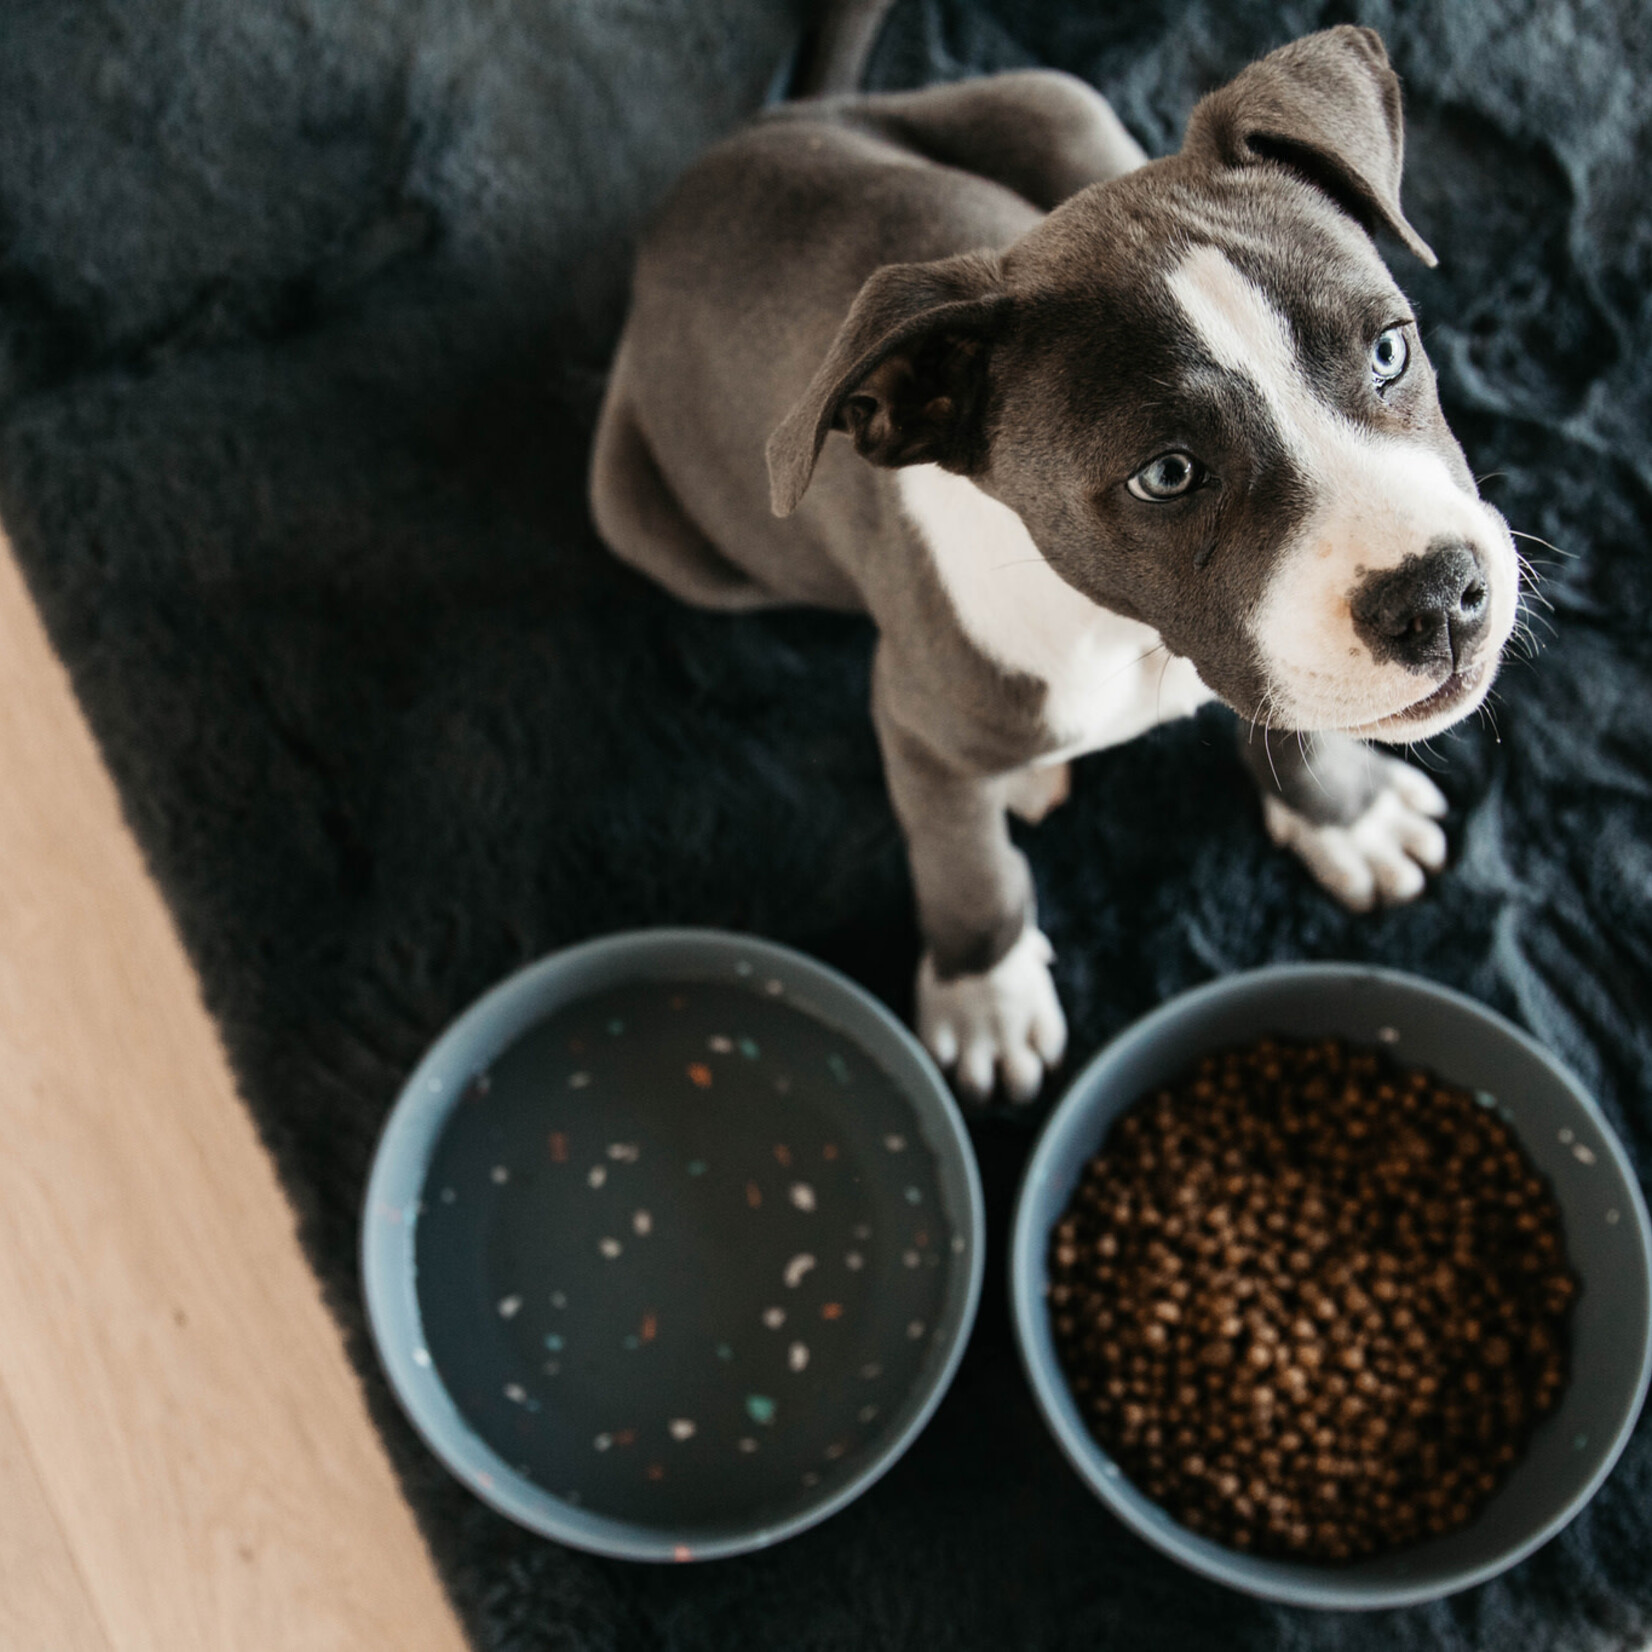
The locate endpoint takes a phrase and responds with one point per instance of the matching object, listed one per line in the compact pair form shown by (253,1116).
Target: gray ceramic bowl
(1560,1128)
(697,1511)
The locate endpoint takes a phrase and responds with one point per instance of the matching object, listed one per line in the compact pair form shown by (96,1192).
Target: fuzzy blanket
(304,309)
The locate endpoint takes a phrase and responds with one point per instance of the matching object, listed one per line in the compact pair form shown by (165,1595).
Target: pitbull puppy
(1093,440)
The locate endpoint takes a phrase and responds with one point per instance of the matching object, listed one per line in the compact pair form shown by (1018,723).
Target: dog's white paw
(1385,855)
(1005,1026)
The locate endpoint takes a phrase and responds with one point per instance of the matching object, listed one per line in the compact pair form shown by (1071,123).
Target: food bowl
(1562,1132)
(672,1244)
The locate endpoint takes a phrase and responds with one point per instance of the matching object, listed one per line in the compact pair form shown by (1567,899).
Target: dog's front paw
(1005,1026)
(1384,855)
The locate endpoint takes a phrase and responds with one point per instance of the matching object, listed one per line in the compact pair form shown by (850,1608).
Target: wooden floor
(185,1462)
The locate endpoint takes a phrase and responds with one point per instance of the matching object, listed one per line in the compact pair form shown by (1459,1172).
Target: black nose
(1428,613)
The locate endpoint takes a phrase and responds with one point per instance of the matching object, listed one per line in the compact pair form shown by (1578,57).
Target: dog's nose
(1427,613)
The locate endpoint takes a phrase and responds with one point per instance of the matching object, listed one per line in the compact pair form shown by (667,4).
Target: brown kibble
(1311,1304)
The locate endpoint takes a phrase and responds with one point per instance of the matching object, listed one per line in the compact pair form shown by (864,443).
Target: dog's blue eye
(1389,356)
(1167,477)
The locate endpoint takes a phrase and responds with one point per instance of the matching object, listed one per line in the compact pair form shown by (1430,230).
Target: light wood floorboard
(43,1599)
(186,1464)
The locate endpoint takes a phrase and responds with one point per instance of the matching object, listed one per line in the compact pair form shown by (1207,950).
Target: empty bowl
(672,1244)
(1563,1134)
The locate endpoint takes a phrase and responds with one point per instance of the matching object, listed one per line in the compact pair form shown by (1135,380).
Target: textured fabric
(303,312)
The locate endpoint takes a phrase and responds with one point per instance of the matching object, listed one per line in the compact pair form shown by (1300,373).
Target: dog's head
(1205,396)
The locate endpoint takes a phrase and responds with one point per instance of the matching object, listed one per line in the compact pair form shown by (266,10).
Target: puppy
(1094,440)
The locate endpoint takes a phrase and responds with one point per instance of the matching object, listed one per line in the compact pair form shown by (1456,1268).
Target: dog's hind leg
(1365,825)
(1044,134)
(642,522)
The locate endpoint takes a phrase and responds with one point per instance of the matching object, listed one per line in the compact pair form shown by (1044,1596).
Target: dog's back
(807,201)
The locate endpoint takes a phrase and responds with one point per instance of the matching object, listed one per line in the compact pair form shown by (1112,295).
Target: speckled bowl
(456,1310)
(1562,1131)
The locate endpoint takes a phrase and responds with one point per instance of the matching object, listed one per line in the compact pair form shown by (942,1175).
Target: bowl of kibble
(672,1244)
(1334,1285)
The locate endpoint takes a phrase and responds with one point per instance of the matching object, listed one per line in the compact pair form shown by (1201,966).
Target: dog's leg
(1366,825)
(986,1004)
(642,523)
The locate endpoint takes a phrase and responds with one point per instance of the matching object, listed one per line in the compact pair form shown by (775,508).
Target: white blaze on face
(1375,501)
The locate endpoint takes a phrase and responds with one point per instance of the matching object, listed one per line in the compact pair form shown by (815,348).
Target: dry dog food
(1313,1304)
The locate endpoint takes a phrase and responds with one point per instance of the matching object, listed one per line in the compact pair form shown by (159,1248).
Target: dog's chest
(1107,678)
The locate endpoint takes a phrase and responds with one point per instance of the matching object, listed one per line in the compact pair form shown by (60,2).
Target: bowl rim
(385,1251)
(1080,1449)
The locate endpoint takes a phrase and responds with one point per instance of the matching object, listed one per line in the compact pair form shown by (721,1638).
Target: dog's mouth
(1459,686)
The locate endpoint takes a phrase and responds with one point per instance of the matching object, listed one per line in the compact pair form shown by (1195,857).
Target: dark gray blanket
(303,313)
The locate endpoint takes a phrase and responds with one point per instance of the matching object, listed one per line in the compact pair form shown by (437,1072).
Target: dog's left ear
(1328,107)
(905,376)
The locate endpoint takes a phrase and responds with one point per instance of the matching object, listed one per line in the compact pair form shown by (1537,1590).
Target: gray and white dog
(1118,437)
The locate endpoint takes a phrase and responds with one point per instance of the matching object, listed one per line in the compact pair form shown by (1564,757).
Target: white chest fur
(1109,678)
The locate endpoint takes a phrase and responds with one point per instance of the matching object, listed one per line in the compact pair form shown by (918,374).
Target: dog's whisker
(1158,700)
(1537,539)
(1308,764)
(1531,578)
(1267,744)
(1141,659)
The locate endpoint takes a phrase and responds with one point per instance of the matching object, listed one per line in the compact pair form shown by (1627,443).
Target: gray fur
(959,276)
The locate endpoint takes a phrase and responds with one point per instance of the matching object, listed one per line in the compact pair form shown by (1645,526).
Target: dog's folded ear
(1328,107)
(905,377)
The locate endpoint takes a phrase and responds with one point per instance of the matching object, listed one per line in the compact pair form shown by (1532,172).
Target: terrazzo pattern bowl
(1561,1131)
(672,1244)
